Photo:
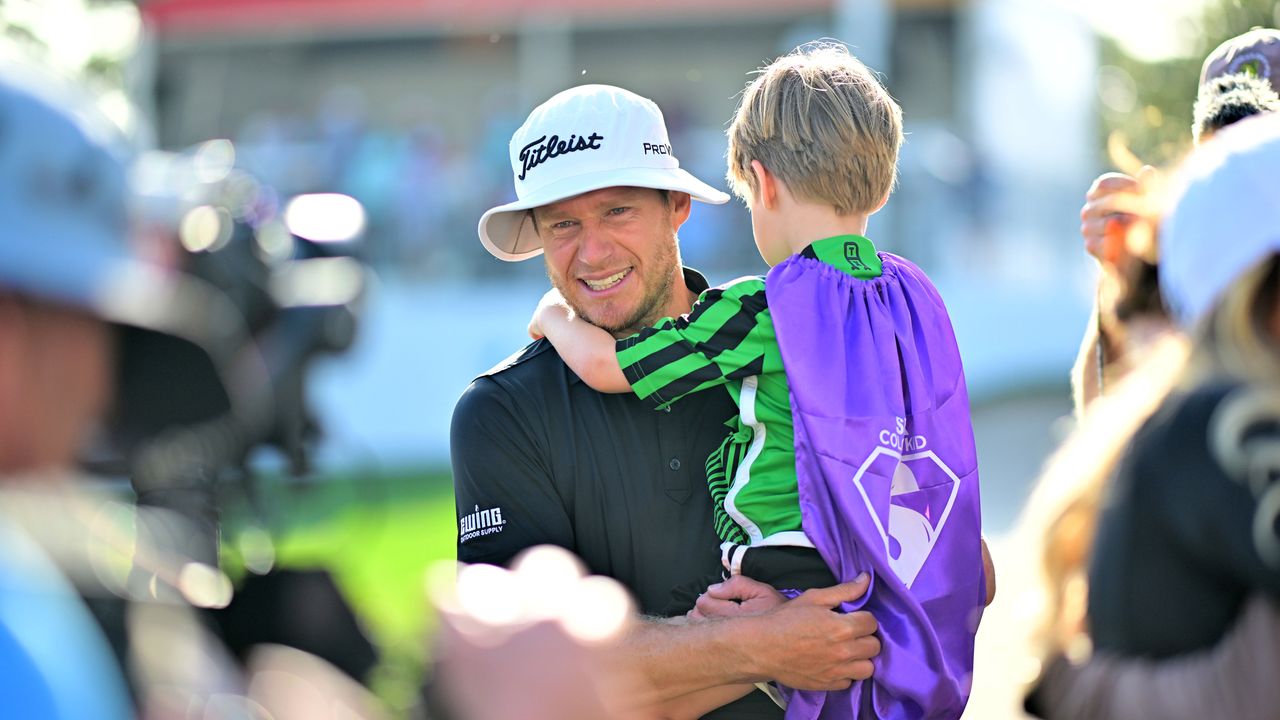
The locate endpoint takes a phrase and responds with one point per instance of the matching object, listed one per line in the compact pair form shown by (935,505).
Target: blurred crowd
(416,234)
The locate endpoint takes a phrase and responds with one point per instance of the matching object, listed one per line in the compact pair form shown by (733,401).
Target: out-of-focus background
(1010,108)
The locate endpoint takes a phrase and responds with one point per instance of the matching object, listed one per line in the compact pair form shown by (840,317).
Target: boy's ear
(766,184)
(880,205)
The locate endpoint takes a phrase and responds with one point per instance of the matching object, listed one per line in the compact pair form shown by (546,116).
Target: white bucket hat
(1224,218)
(583,139)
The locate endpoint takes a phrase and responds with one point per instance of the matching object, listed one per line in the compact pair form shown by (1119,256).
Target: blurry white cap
(1224,217)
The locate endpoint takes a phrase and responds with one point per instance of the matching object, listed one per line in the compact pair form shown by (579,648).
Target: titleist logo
(543,149)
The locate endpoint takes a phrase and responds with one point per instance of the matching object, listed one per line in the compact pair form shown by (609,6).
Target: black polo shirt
(539,457)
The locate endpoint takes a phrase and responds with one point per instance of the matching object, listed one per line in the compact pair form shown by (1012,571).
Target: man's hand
(802,643)
(737,596)
(806,644)
(552,302)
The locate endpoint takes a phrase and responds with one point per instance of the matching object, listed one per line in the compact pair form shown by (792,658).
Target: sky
(1148,29)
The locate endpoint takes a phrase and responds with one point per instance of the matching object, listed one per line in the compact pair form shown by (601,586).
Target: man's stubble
(658,294)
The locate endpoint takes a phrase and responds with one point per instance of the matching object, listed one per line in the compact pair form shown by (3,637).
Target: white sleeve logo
(480,522)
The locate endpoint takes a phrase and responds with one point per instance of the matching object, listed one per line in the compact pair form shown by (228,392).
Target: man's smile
(607,283)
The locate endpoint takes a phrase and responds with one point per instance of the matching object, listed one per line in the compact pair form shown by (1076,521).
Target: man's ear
(766,185)
(680,206)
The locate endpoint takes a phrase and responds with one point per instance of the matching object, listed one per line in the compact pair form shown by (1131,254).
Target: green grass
(377,535)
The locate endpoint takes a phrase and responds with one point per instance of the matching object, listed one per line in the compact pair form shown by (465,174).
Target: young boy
(853,449)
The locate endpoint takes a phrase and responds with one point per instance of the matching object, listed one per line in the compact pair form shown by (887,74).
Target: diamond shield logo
(921,496)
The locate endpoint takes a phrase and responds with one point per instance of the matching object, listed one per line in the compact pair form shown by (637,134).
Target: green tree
(1155,125)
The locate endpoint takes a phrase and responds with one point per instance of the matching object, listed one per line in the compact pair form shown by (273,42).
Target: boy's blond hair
(820,121)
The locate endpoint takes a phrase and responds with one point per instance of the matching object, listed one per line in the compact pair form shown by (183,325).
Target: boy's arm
(588,350)
(727,336)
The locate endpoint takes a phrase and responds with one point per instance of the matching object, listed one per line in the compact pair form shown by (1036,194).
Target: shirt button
(674,464)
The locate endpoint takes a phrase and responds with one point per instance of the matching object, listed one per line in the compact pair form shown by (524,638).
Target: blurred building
(409,104)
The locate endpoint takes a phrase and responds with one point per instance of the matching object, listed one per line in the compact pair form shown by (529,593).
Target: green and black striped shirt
(728,340)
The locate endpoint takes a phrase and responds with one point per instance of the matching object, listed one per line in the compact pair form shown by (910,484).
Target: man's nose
(595,248)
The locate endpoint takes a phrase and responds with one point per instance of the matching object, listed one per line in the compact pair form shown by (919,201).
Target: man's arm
(802,643)
(988,572)
(506,500)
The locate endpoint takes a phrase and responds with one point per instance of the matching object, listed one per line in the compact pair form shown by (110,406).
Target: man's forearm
(695,705)
(675,658)
(802,643)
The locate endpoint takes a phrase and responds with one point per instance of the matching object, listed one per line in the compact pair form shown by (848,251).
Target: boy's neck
(806,223)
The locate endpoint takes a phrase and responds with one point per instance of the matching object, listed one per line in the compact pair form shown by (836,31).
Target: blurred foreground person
(61,251)
(1181,545)
(1133,330)
(77,640)
(1237,81)
(536,642)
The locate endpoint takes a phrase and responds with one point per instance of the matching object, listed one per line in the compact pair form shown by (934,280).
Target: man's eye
(562,225)
(618,210)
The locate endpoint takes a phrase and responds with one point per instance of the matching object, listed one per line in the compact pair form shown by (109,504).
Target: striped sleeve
(727,336)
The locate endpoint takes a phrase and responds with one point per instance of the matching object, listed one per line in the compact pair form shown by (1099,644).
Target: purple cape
(888,476)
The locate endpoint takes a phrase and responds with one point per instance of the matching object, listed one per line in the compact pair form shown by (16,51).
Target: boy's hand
(552,302)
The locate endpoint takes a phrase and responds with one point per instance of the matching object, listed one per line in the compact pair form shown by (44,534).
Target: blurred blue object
(54,660)
(65,230)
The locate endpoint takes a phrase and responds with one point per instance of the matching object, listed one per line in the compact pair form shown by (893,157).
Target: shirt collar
(853,254)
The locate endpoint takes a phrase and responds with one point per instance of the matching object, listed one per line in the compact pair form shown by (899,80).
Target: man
(539,457)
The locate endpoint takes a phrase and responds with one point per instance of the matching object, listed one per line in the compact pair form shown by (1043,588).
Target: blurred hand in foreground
(533,642)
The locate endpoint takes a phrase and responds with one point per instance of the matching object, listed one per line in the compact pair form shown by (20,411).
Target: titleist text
(543,149)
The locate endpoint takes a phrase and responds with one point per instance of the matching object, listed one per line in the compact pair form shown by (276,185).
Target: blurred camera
(270,284)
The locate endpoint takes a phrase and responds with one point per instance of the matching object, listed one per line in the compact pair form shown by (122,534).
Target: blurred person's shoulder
(1182,432)
(1195,407)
